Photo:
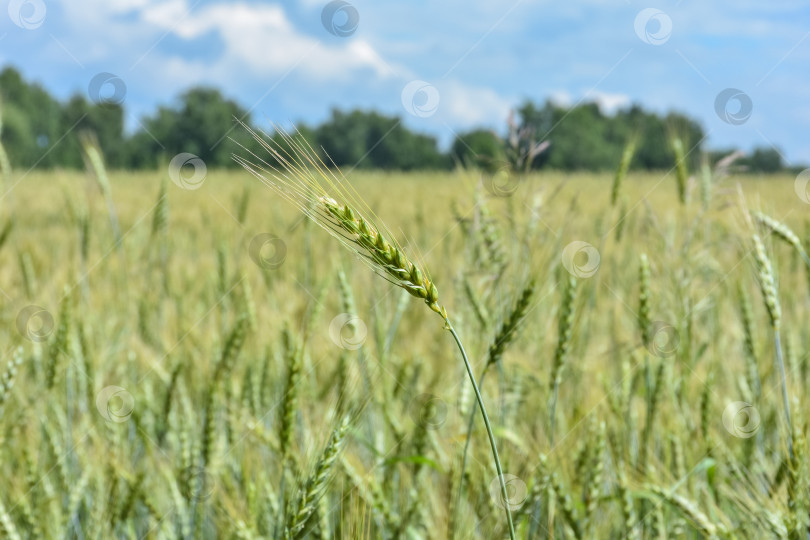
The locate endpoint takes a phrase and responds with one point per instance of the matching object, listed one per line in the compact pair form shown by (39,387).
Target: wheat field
(206,363)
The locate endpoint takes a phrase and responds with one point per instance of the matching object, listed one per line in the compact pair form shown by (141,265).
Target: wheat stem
(506,334)
(770,294)
(777,343)
(491,436)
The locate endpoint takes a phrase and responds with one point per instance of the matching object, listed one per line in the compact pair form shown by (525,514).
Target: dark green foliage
(40,131)
(371,140)
(584,137)
(481,148)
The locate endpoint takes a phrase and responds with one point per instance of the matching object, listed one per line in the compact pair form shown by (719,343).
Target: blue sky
(472,60)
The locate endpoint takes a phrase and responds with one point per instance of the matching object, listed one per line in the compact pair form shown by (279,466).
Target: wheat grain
(316,484)
(8,376)
(95,162)
(706,181)
(690,510)
(303,185)
(621,172)
(7,526)
(293,354)
(644,322)
(767,285)
(60,345)
(681,171)
(564,334)
(783,232)
(752,369)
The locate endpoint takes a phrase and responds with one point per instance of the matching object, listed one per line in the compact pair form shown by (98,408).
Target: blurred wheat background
(251,380)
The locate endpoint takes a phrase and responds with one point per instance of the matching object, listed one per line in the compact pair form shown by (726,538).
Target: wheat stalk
(316,484)
(7,525)
(61,343)
(767,285)
(294,353)
(747,317)
(596,470)
(95,163)
(557,491)
(690,509)
(5,164)
(783,232)
(302,178)
(505,335)
(479,309)
(564,334)
(7,377)
(644,323)
(621,171)
(302,183)
(705,183)
(681,172)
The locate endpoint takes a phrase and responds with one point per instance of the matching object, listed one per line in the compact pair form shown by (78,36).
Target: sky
(740,68)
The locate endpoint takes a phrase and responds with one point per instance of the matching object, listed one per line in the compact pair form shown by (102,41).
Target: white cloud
(561,98)
(261,38)
(608,103)
(171,15)
(469,106)
(257,38)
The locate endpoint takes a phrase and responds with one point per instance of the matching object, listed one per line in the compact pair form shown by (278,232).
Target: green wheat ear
(770,296)
(388,258)
(326,198)
(316,484)
(621,171)
(681,171)
(5,164)
(783,232)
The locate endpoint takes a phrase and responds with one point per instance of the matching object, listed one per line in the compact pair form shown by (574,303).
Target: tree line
(40,131)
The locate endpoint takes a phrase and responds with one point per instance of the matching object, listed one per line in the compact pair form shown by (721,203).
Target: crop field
(200,360)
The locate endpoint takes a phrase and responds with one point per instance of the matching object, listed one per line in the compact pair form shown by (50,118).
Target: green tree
(105,120)
(31,122)
(203,123)
(371,140)
(481,148)
(764,160)
(583,137)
